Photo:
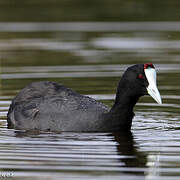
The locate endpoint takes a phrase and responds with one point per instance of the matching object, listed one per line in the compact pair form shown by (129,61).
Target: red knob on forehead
(147,65)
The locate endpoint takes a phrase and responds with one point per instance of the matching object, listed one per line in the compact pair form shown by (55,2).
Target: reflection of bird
(50,106)
(128,151)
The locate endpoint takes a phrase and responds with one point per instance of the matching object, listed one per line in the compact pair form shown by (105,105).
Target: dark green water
(86,46)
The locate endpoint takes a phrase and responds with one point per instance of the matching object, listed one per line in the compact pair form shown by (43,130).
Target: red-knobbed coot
(49,106)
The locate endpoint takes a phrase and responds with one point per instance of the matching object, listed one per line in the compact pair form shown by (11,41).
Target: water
(92,63)
(90,58)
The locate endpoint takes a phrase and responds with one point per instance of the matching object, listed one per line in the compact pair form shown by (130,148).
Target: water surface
(91,61)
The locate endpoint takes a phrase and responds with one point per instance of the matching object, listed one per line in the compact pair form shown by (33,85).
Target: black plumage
(52,107)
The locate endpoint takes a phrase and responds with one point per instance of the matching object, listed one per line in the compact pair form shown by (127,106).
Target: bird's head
(140,79)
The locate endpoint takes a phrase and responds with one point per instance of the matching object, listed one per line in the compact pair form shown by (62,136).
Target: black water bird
(49,106)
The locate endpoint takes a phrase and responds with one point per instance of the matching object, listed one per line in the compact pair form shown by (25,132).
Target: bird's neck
(121,113)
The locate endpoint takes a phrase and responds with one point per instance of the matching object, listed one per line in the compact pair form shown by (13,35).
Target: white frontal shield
(152,87)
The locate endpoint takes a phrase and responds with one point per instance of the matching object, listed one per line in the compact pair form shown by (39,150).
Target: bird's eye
(141,76)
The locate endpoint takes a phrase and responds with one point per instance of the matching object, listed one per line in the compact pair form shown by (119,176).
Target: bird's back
(50,106)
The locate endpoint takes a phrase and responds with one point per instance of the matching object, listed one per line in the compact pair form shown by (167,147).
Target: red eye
(141,76)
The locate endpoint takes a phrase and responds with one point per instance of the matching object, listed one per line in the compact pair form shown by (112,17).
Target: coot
(49,106)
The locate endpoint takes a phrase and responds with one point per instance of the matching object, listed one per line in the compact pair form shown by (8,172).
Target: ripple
(75,71)
(88,26)
(134,43)
(85,68)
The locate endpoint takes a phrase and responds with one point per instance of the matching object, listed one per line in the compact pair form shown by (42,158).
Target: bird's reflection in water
(130,159)
(129,153)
